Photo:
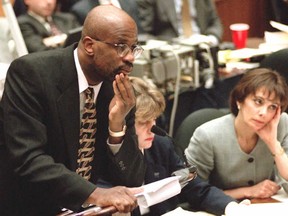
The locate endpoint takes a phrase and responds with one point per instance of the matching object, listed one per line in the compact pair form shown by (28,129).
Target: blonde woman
(162,161)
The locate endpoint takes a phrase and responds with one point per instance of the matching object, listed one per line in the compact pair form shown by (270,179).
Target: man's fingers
(124,87)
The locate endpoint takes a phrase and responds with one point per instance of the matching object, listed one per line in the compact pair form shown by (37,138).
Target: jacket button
(121,165)
(250,160)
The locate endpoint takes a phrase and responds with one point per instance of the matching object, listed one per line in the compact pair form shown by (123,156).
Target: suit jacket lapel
(68,107)
(39,26)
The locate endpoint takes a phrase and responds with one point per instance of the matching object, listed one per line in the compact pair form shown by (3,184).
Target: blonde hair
(150,102)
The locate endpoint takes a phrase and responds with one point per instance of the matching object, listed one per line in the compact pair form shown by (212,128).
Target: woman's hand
(264,189)
(269,132)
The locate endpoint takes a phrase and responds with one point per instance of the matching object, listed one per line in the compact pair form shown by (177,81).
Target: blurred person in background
(42,27)
(82,7)
(162,19)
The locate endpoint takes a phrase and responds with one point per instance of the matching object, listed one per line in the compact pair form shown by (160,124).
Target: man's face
(110,57)
(43,8)
(109,63)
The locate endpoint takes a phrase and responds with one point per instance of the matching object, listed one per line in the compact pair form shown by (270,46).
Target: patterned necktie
(53,28)
(186,18)
(87,136)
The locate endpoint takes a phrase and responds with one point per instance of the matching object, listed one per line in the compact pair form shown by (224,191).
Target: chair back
(190,123)
(277,61)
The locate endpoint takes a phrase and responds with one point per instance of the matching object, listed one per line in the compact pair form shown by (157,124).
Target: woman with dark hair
(243,152)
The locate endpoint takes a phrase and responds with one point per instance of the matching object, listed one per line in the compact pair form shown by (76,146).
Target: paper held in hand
(159,191)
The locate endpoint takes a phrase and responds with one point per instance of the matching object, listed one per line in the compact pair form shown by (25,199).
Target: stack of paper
(281,196)
(181,212)
(263,209)
(159,191)
(275,40)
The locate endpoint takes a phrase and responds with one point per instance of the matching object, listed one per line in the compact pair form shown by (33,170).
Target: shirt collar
(82,81)
(38,17)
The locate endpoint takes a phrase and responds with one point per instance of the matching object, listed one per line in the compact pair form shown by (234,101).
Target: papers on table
(263,209)
(247,53)
(281,196)
(279,26)
(275,41)
(181,212)
(193,40)
(159,191)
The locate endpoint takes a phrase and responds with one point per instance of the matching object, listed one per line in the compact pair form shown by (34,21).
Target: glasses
(123,49)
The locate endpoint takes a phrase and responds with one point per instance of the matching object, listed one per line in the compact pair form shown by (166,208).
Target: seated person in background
(7,44)
(43,28)
(82,7)
(162,160)
(241,155)
(162,19)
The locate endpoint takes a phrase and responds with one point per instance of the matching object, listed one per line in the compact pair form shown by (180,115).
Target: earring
(238,107)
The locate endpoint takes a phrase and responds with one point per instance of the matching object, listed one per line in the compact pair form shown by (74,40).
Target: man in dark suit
(41,108)
(82,7)
(43,28)
(160,18)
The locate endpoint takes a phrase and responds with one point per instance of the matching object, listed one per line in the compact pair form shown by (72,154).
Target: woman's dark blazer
(161,161)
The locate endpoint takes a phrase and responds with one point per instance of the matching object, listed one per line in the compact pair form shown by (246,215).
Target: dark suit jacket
(158,17)
(162,160)
(82,7)
(41,119)
(34,32)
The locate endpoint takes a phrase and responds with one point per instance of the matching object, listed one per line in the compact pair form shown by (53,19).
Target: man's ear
(88,46)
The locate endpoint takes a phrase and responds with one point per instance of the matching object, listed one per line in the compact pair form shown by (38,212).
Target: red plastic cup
(239,34)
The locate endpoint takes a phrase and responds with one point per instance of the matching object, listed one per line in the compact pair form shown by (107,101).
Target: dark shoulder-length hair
(255,79)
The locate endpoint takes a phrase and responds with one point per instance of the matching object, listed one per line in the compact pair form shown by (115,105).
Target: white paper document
(263,209)
(279,26)
(281,196)
(181,212)
(159,191)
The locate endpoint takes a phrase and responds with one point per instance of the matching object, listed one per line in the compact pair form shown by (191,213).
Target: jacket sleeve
(203,196)
(128,163)
(25,134)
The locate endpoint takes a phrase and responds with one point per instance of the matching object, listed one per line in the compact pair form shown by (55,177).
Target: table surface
(265,200)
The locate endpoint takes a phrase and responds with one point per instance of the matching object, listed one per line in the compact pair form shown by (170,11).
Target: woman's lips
(258,122)
(149,139)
